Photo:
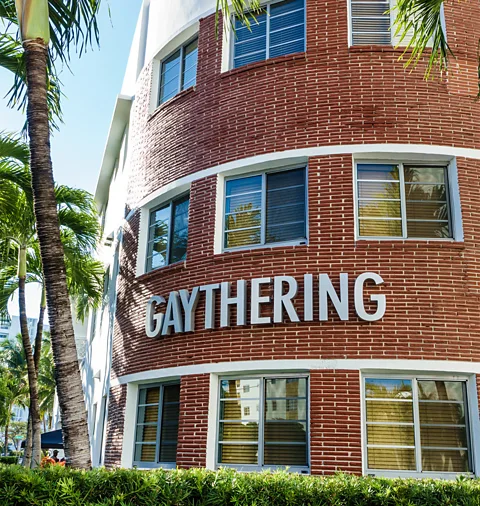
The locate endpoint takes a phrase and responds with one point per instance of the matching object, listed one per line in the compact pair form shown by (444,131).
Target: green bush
(9,460)
(197,487)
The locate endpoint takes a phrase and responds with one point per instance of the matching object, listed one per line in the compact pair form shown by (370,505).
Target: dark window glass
(168,234)
(157,443)
(179,71)
(278,30)
(265,209)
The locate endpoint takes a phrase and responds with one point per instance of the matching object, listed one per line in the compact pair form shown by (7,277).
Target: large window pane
(190,58)
(168,235)
(170,80)
(281,423)
(384,204)
(283,25)
(148,429)
(402,459)
(396,415)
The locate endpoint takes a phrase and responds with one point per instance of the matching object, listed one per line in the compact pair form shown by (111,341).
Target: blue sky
(91,86)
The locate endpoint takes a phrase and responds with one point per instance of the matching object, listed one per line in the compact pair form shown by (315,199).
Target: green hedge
(9,460)
(197,487)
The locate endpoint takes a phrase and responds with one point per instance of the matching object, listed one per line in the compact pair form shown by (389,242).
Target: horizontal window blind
(265,209)
(179,71)
(264,424)
(157,425)
(370,22)
(400,200)
(276,31)
(410,418)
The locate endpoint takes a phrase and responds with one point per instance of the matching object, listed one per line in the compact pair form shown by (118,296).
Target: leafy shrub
(9,460)
(198,487)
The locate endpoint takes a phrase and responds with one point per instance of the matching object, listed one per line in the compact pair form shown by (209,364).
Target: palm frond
(75,198)
(243,10)
(81,229)
(423,18)
(12,147)
(12,58)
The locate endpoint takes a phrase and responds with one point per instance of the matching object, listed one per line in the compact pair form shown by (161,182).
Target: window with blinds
(179,71)
(157,426)
(278,30)
(403,201)
(264,425)
(417,425)
(265,208)
(372,23)
(168,233)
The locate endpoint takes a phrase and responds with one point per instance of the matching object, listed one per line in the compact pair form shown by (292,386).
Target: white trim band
(265,366)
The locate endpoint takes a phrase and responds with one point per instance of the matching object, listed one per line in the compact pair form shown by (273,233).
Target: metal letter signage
(269,300)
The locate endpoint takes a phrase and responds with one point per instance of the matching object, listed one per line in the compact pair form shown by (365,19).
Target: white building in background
(9,329)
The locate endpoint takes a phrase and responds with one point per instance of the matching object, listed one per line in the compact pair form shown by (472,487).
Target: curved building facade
(291,226)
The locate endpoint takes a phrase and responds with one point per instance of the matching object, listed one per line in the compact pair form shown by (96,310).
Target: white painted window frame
(453,197)
(174,192)
(153,465)
(263,209)
(180,84)
(262,377)
(228,50)
(471,413)
(394,39)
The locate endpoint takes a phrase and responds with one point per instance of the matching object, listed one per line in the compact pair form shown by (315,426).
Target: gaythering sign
(179,315)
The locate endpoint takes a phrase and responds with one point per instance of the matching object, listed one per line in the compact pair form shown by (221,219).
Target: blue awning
(52,440)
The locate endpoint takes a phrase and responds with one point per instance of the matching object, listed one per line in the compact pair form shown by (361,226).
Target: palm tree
(79,231)
(46,382)
(14,391)
(65,23)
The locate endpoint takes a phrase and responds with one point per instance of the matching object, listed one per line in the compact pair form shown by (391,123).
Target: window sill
(247,468)
(173,100)
(264,63)
(412,241)
(377,48)
(166,269)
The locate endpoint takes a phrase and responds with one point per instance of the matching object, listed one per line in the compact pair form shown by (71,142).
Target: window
(157,425)
(278,30)
(179,71)
(274,433)
(264,209)
(417,425)
(168,234)
(370,22)
(404,201)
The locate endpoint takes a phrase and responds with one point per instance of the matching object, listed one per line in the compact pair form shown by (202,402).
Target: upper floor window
(168,233)
(403,200)
(370,22)
(179,71)
(278,30)
(417,425)
(265,209)
(156,434)
(265,427)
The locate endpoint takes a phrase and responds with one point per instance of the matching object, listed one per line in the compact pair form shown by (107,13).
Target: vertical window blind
(417,425)
(179,71)
(168,234)
(266,208)
(265,425)
(157,425)
(278,30)
(400,200)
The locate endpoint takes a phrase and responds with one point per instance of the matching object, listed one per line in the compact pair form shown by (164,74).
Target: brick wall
(193,422)
(330,95)
(335,430)
(114,430)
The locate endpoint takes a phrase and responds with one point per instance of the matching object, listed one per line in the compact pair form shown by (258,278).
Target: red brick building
(295,264)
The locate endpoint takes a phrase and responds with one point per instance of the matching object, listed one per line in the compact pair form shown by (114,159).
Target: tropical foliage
(198,487)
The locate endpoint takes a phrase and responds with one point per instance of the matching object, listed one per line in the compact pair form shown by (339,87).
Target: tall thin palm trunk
(32,374)
(27,456)
(69,384)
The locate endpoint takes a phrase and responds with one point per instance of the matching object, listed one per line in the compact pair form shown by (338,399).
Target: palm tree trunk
(67,372)
(7,424)
(27,456)
(32,374)
(39,335)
